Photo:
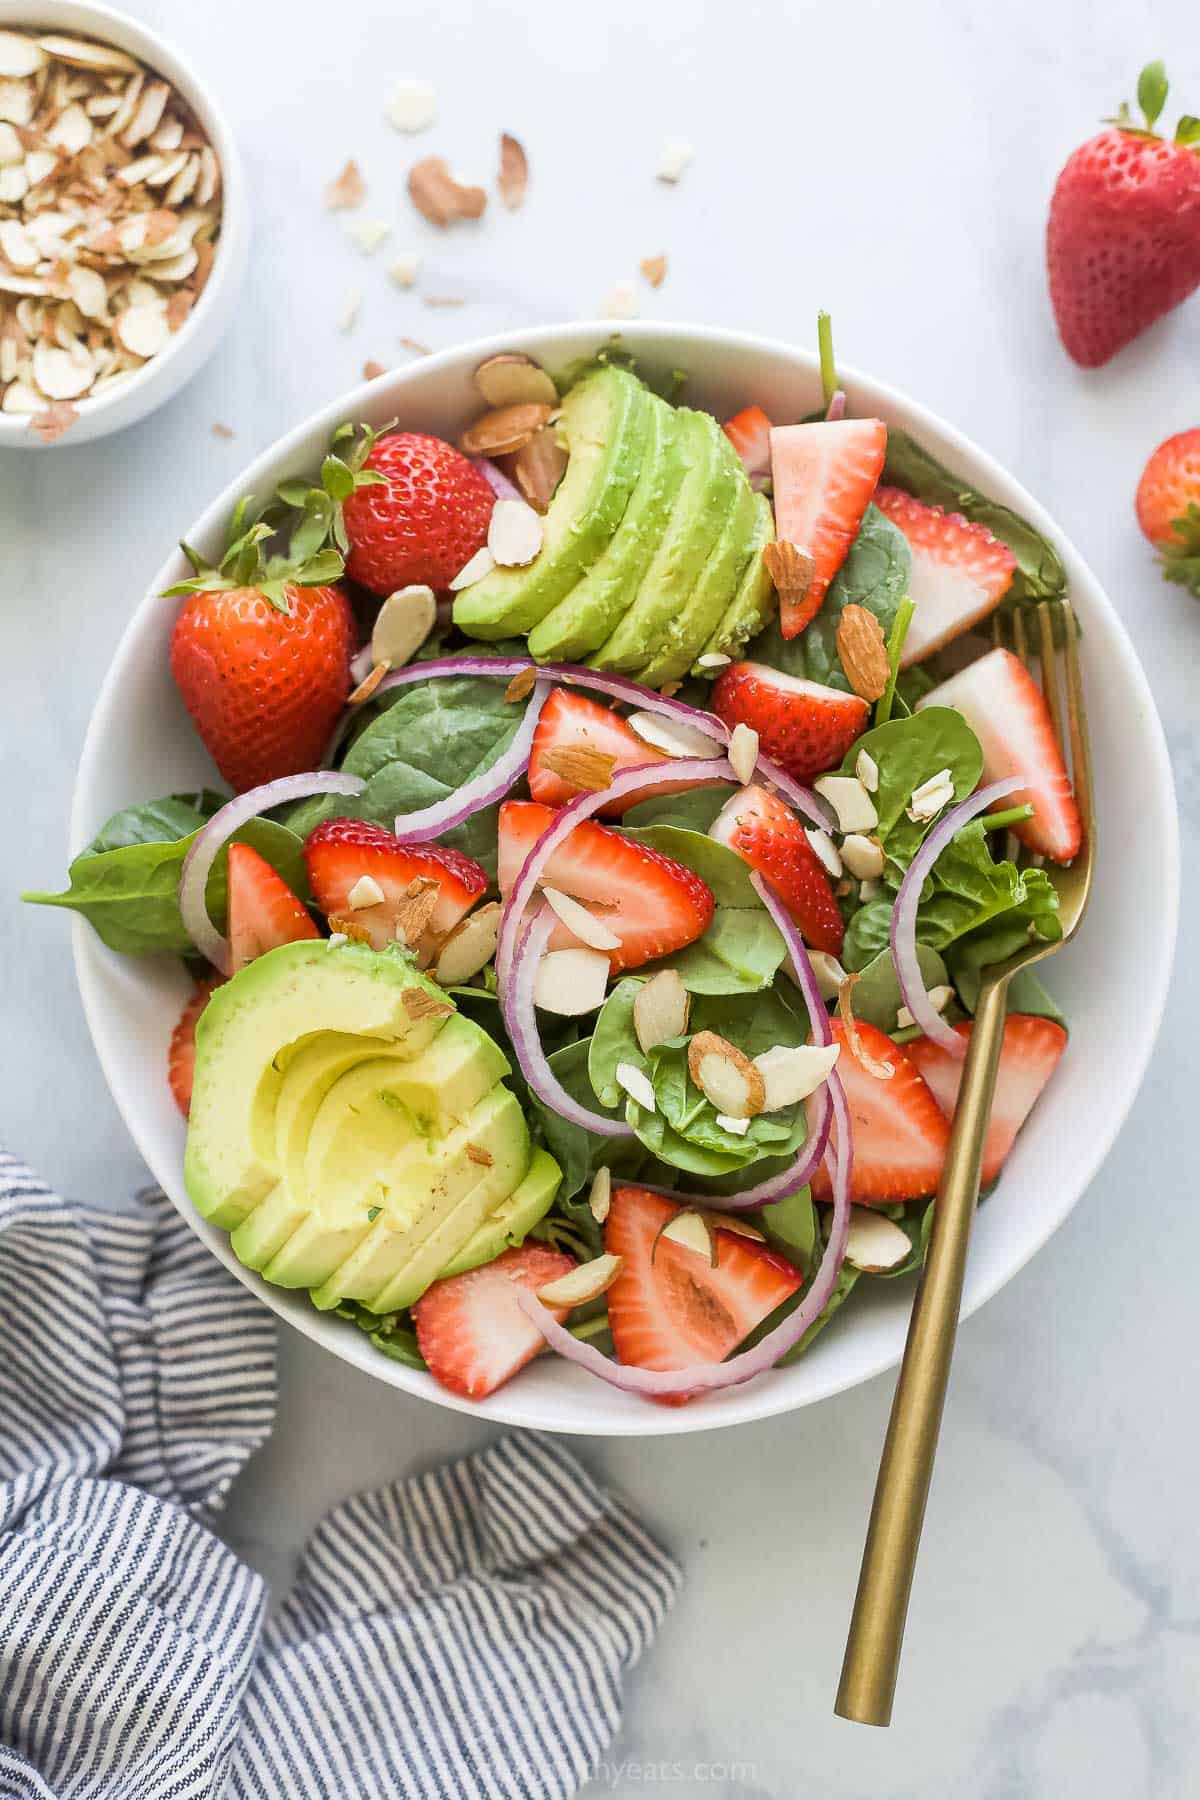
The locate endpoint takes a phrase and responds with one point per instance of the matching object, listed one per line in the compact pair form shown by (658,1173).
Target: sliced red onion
(704,1378)
(496,479)
(197,864)
(837,404)
(903,931)
(492,785)
(520,1021)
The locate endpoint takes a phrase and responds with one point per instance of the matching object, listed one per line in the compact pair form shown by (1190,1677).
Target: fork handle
(872,1660)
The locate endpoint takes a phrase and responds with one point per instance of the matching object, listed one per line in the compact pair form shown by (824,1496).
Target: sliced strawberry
(960,571)
(263,910)
(805,727)
(1028,1058)
(571,723)
(899,1130)
(750,434)
(181,1056)
(824,475)
(767,834)
(668,1308)
(1007,711)
(470,1328)
(653,904)
(341,851)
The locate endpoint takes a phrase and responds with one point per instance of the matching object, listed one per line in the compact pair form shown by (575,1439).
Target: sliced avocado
(754,602)
(513,1219)
(605,422)
(595,605)
(697,519)
(719,581)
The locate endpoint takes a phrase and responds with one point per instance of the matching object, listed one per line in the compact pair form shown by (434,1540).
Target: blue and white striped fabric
(461,1634)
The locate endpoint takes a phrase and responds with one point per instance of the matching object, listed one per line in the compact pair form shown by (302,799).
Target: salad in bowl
(621,803)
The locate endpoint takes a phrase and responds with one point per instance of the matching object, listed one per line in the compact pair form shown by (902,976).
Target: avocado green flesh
(585,617)
(697,521)
(349,1148)
(512,1219)
(754,602)
(605,421)
(718,582)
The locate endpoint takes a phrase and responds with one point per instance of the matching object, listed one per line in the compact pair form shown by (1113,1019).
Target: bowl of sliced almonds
(123,230)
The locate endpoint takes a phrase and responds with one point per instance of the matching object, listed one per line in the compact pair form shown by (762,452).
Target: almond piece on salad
(792,1072)
(829,973)
(600,1194)
(415,910)
(474,569)
(579,920)
(538,467)
(587,1281)
(867,770)
(863,856)
(514,533)
(850,800)
(740,1227)
(469,947)
(927,801)
(875,1243)
(402,624)
(863,650)
(505,429)
(674,737)
(511,379)
(743,753)
(660,1010)
(439,197)
(365,892)
(689,1229)
(420,1005)
(725,1076)
(571,982)
(790,568)
(581,766)
(637,1085)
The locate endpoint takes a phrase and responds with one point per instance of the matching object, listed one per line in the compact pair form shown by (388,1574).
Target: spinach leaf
(1040,574)
(791,1227)
(846,1281)
(1026,993)
(693,811)
(130,893)
(386,1332)
(908,752)
(742,949)
(580,1153)
(156,821)
(877,997)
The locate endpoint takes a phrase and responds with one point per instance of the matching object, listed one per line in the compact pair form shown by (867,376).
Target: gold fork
(868,1684)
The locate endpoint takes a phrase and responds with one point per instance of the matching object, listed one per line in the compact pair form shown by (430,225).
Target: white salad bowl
(141,744)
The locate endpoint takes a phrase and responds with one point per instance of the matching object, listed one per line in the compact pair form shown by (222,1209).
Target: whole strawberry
(1123,241)
(422,521)
(1168,507)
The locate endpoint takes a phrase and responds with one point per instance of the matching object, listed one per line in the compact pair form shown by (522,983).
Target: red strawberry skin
(823,475)
(668,1309)
(750,434)
(804,727)
(960,571)
(181,1055)
(570,721)
(768,835)
(652,903)
(424,522)
(1170,484)
(898,1130)
(263,911)
(470,1328)
(1123,240)
(1028,1058)
(340,852)
(264,688)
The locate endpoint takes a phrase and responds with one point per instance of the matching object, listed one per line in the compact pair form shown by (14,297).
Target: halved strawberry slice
(470,1328)
(960,571)
(767,834)
(1007,711)
(750,434)
(263,910)
(1028,1058)
(341,851)
(899,1131)
(669,1308)
(570,724)
(805,727)
(181,1056)
(824,475)
(652,903)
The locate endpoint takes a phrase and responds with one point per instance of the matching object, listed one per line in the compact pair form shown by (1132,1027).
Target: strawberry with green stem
(1168,507)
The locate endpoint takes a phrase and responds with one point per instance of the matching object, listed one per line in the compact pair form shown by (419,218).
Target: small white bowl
(1112,983)
(200,333)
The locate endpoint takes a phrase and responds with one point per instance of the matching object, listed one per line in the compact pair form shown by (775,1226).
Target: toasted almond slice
(826,850)
(725,1076)
(513,178)
(89,291)
(54,421)
(654,268)
(660,1010)
(469,947)
(583,768)
(740,1227)
(882,1071)
(674,737)
(62,374)
(582,923)
(737,1127)
(863,856)
(367,686)
(939,998)
(790,568)
(571,982)
(829,973)
(416,910)
(20,55)
(587,1281)
(143,330)
(479,565)
(514,533)
(511,379)
(440,198)
(174,268)
(81,53)
(22,397)
(209,178)
(141,169)
(12,150)
(184,183)
(538,467)
(17,246)
(637,1085)
(743,753)
(14,185)
(178,307)
(348,317)
(419,1004)
(521,685)
(147,114)
(863,651)
(347,931)
(867,770)
(690,1231)
(168,167)
(600,1194)
(365,892)
(71,131)
(792,1073)
(412,107)
(39,164)
(402,624)
(347,190)
(16,101)
(166,136)
(927,801)
(713,659)
(875,1243)
(503,429)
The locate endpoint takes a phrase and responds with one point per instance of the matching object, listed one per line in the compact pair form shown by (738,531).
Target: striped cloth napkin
(462,1633)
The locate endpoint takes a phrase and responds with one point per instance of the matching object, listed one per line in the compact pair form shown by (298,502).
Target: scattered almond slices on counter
(654,269)
(439,197)
(412,107)
(346,190)
(511,379)
(513,178)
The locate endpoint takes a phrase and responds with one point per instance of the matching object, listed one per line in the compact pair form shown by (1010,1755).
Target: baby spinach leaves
(741,950)
(908,752)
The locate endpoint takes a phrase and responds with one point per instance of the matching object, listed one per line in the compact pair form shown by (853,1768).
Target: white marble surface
(891,162)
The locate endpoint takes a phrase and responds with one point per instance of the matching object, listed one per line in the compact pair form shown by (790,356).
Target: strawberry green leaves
(1180,560)
(1152,90)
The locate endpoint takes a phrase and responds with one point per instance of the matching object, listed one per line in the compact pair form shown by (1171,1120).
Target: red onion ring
(492,785)
(197,864)
(496,479)
(903,930)
(837,404)
(520,1021)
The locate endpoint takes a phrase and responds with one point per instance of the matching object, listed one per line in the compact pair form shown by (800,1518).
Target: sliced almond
(927,801)
(89,291)
(504,429)
(365,892)
(469,947)
(420,1004)
(403,270)
(587,1281)
(939,998)
(511,379)
(660,1010)
(513,178)
(792,1073)
(867,770)
(17,246)
(147,114)
(54,421)
(571,982)
(22,397)
(16,101)
(791,569)
(348,317)
(637,1085)
(875,1243)
(71,131)
(416,910)
(62,374)
(725,1076)
(346,190)
(740,1227)
(829,973)
(713,659)
(12,150)
(826,850)
(863,651)
(736,1127)
(863,856)
(143,330)
(20,55)
(882,1071)
(412,107)
(676,156)
(581,922)
(368,234)
(348,930)
(743,753)
(521,685)
(581,767)
(367,686)
(81,53)
(600,1194)
(654,268)
(438,197)
(14,185)
(402,624)
(691,1232)
(621,302)
(850,800)
(514,533)
(479,565)
(674,737)
(538,467)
